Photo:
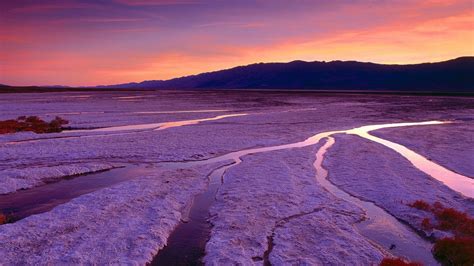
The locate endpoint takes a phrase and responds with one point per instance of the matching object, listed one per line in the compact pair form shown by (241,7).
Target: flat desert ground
(249,178)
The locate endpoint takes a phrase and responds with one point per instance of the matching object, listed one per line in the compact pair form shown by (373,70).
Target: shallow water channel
(382,229)
(186,244)
(23,203)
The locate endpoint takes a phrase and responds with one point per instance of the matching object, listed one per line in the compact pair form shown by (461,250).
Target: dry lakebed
(225,178)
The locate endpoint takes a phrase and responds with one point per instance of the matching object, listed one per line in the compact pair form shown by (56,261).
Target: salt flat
(270,208)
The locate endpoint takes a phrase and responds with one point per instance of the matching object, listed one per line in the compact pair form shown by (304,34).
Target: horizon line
(236,66)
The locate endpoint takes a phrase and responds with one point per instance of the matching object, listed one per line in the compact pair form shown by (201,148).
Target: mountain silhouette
(455,75)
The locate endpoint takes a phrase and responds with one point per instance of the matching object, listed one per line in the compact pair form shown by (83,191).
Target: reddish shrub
(56,124)
(426,224)
(3,218)
(454,251)
(438,206)
(450,251)
(33,119)
(8,126)
(420,205)
(32,123)
(458,222)
(447,219)
(397,262)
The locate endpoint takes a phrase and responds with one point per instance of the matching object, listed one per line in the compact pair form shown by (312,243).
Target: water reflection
(194,121)
(24,203)
(157,126)
(182,112)
(455,181)
(123,130)
(380,227)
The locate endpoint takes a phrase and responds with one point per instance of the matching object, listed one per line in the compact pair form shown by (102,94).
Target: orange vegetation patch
(447,219)
(397,262)
(450,251)
(460,223)
(3,218)
(420,205)
(32,123)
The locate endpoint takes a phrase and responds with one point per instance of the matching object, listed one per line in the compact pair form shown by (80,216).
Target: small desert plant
(454,251)
(397,262)
(455,221)
(447,219)
(32,123)
(420,205)
(450,251)
(426,224)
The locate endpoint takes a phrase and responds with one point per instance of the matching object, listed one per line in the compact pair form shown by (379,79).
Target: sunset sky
(115,41)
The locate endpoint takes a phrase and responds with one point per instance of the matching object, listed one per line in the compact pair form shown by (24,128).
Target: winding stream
(186,244)
(158,126)
(125,130)
(381,228)
(453,180)
(24,203)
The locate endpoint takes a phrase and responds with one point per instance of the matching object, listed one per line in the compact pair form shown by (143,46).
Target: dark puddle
(24,203)
(186,244)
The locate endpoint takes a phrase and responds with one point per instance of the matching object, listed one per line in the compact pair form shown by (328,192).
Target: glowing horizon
(85,43)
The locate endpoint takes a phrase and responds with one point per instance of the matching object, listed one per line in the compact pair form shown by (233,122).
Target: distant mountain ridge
(452,75)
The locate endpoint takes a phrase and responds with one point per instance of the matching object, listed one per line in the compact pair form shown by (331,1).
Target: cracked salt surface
(269,188)
(129,222)
(126,223)
(408,244)
(381,227)
(453,180)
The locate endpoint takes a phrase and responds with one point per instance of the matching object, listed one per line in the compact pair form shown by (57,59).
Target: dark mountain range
(455,75)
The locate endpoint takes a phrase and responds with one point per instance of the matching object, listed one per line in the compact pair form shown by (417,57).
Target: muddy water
(186,245)
(40,199)
(379,227)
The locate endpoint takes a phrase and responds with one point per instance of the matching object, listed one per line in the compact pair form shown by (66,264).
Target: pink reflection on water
(379,226)
(157,126)
(455,181)
(183,111)
(194,121)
